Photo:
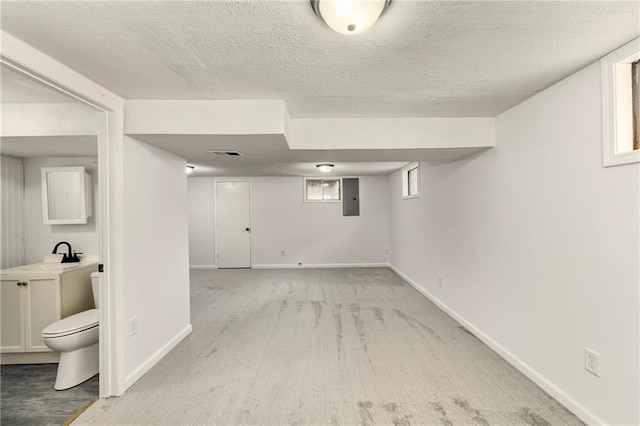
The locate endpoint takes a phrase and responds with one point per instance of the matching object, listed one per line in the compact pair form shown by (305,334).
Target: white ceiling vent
(226,153)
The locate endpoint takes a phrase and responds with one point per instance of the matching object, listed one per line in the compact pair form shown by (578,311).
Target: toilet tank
(95,287)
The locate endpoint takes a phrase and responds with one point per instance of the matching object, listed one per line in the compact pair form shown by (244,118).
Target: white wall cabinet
(66,195)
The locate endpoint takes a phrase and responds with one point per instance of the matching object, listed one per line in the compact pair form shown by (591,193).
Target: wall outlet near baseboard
(133,326)
(282,253)
(386,251)
(440,281)
(592,362)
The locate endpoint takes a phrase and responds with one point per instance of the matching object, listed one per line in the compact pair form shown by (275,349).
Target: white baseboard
(30,358)
(157,356)
(574,406)
(203,267)
(320,265)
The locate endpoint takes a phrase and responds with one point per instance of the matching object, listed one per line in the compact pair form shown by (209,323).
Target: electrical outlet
(440,281)
(386,251)
(133,326)
(592,362)
(281,252)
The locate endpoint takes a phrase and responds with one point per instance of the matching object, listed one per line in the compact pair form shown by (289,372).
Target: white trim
(203,267)
(157,356)
(111,226)
(574,406)
(29,358)
(25,59)
(611,156)
(320,265)
(408,197)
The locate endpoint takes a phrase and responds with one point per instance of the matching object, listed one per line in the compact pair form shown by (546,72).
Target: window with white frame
(621,105)
(411,181)
(317,190)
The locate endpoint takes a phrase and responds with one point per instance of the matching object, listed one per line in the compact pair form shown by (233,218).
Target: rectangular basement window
(410,181)
(621,105)
(322,190)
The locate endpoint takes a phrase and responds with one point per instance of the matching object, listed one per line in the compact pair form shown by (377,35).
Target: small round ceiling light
(349,16)
(325,168)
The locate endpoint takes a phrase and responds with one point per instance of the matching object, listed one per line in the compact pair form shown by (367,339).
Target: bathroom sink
(47,266)
(46,269)
(52,266)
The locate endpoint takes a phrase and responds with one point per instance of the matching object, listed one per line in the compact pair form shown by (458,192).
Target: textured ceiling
(423,58)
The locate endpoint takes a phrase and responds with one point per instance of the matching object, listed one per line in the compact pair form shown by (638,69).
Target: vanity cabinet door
(43,309)
(11,318)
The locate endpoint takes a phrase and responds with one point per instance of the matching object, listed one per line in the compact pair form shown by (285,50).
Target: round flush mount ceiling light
(350,16)
(325,168)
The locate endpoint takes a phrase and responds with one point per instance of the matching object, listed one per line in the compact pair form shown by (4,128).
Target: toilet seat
(74,324)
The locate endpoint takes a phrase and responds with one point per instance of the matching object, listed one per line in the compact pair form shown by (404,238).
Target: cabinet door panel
(44,308)
(12,325)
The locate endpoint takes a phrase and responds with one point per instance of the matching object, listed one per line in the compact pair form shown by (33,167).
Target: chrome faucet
(69,257)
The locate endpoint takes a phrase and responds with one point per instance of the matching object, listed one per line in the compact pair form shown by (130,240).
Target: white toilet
(76,338)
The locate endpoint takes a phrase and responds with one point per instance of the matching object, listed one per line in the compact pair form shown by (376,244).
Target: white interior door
(233,224)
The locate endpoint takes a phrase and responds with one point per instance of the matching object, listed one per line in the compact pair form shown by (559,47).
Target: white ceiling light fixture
(325,168)
(350,16)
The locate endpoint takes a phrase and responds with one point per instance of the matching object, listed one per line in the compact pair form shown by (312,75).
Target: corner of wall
(547,385)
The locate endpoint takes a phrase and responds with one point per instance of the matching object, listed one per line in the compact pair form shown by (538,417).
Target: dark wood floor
(28,397)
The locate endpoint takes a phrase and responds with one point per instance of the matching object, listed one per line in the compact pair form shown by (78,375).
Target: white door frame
(25,59)
(215,215)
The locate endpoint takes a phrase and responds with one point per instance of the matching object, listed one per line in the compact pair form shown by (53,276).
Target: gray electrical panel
(351,199)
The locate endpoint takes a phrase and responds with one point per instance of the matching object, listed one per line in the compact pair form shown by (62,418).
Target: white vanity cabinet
(28,306)
(30,300)
(66,195)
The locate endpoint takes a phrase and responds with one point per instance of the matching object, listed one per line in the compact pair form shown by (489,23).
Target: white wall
(201,222)
(43,119)
(11,212)
(156,264)
(203,117)
(39,238)
(538,247)
(405,132)
(311,233)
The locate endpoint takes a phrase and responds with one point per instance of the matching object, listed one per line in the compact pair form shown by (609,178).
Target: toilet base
(76,367)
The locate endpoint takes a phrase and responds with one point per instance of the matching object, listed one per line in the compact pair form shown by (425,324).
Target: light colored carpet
(326,346)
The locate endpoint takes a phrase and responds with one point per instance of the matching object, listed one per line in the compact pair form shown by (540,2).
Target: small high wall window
(322,190)
(411,181)
(621,105)
(635,98)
